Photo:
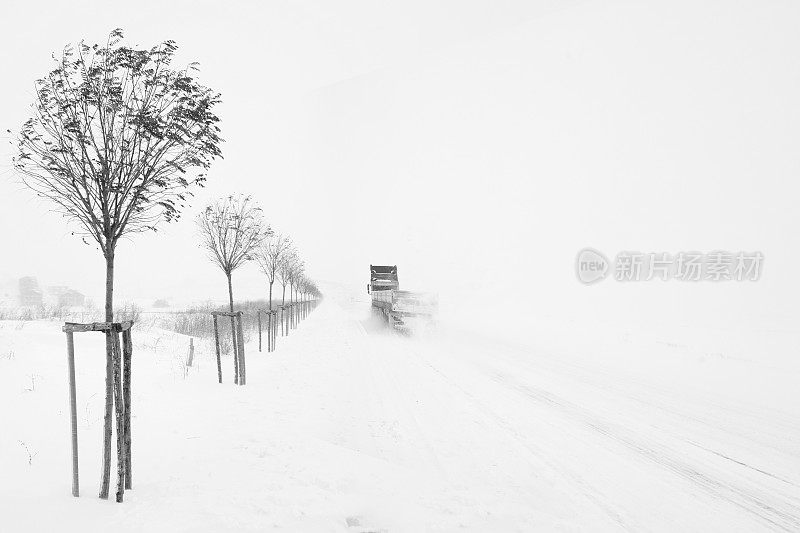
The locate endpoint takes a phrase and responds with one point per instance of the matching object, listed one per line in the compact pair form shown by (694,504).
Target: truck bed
(405,303)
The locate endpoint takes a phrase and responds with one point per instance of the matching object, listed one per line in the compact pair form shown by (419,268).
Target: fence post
(73,411)
(190,359)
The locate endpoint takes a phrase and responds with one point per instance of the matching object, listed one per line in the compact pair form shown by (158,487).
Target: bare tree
(270,255)
(285,270)
(300,283)
(307,288)
(231,230)
(313,291)
(116,141)
(295,274)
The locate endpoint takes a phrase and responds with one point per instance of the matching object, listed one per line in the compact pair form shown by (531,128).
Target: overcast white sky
(475,144)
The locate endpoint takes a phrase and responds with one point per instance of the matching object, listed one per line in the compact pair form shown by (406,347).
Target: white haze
(477,145)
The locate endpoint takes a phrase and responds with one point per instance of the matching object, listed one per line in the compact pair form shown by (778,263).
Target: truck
(403,310)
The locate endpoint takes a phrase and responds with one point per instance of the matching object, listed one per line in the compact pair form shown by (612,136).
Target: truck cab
(382,278)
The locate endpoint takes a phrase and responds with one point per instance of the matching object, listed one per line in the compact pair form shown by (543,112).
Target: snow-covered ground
(348,427)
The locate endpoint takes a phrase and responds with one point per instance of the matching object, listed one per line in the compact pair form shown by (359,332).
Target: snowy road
(349,427)
(643,452)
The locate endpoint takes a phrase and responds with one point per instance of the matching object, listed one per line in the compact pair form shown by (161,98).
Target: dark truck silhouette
(401,308)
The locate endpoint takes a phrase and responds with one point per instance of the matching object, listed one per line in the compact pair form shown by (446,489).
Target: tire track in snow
(740,463)
(659,397)
(663,400)
(783,515)
(786,518)
(772,509)
(586,489)
(582,487)
(433,458)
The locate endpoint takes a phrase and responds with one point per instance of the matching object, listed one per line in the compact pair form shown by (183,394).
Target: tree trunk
(233,333)
(230,293)
(107,427)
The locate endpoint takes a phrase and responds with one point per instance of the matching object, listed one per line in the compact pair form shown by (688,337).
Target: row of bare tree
(233,231)
(117,140)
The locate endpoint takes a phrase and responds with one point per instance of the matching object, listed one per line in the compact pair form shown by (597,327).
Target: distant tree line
(233,232)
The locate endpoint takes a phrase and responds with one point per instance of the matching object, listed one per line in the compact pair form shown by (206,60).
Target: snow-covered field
(350,428)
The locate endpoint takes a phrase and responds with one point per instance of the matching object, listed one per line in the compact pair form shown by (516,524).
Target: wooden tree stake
(242,366)
(73,411)
(118,400)
(127,357)
(107,425)
(216,343)
(120,414)
(269,331)
(236,370)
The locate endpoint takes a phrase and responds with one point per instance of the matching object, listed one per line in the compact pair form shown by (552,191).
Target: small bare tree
(231,230)
(270,256)
(296,274)
(307,288)
(313,291)
(285,270)
(116,141)
(300,283)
